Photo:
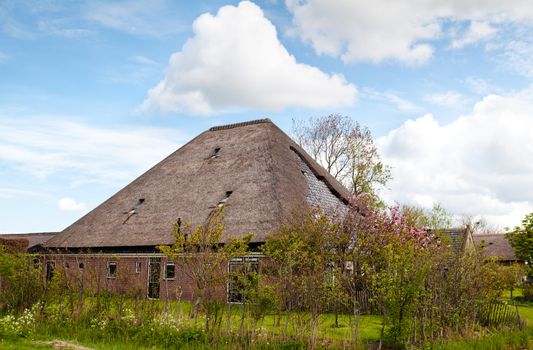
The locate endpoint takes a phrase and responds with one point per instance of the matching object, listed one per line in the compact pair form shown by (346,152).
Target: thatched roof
(14,245)
(34,239)
(495,245)
(265,171)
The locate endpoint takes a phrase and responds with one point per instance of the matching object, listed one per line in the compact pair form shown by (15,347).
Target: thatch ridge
(236,125)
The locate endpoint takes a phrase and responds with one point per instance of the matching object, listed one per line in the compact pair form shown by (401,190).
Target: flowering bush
(21,326)
(99,323)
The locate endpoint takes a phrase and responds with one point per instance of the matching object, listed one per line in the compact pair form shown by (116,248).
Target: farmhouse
(496,246)
(253,169)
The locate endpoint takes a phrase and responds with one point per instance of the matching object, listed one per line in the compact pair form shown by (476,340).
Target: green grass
(526,314)
(272,329)
(525,308)
(502,340)
(21,344)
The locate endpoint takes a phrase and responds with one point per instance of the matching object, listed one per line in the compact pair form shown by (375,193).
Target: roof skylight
(133,209)
(215,153)
(223,201)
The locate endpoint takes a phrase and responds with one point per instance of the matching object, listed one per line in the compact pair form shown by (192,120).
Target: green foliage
(437,218)
(527,291)
(521,238)
(200,255)
(503,340)
(512,277)
(20,282)
(302,256)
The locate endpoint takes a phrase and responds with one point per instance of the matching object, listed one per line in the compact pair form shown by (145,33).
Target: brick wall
(92,273)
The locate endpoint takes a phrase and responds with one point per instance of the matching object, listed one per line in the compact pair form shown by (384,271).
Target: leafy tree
(20,280)
(301,252)
(346,150)
(521,238)
(391,259)
(437,218)
(512,277)
(203,257)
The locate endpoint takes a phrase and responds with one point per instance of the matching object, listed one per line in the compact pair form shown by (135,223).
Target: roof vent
(223,201)
(133,209)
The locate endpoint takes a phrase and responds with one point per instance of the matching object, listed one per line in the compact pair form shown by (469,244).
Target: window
(242,277)
(50,267)
(81,266)
(138,266)
(170,271)
(111,269)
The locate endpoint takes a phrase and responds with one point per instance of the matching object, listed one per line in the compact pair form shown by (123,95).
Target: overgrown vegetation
(361,276)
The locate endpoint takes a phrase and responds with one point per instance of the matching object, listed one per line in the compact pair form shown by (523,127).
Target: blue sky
(93,93)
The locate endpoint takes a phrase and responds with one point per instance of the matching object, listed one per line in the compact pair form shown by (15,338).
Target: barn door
(154,276)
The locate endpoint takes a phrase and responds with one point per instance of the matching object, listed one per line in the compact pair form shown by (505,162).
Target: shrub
(18,326)
(527,291)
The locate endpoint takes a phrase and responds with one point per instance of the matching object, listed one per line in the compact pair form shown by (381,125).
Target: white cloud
(478,164)
(44,146)
(481,86)
(143,60)
(516,55)
(7,192)
(62,27)
(449,99)
(379,30)
(69,204)
(398,102)
(476,32)
(137,17)
(235,61)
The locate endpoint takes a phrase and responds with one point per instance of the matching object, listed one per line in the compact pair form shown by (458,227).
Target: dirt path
(62,344)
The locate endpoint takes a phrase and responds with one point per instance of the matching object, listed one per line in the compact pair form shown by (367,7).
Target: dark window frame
(112,272)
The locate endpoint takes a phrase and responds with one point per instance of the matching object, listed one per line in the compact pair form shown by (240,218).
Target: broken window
(111,269)
(50,267)
(81,266)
